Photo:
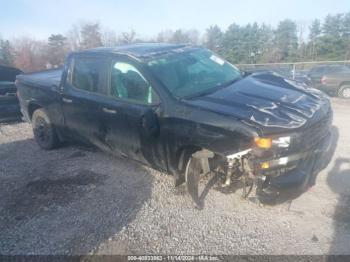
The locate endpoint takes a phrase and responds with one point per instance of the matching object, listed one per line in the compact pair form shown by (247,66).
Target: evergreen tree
(213,38)
(232,44)
(315,29)
(286,40)
(333,25)
(266,44)
(180,37)
(6,57)
(57,49)
(315,32)
(346,34)
(333,45)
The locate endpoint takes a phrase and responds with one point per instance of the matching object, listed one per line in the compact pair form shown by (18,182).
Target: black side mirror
(245,73)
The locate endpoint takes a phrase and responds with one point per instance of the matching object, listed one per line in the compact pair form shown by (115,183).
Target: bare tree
(165,36)
(74,38)
(109,38)
(127,37)
(90,35)
(30,54)
(193,36)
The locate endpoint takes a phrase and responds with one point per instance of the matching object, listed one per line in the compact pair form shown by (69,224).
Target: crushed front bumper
(295,173)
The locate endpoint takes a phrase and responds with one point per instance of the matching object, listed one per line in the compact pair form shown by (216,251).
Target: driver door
(132,115)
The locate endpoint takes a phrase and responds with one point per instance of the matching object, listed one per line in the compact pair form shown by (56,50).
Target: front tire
(44,132)
(344,91)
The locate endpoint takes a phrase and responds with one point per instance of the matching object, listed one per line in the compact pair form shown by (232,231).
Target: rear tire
(44,132)
(344,91)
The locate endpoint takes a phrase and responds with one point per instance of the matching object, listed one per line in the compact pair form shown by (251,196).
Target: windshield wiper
(213,89)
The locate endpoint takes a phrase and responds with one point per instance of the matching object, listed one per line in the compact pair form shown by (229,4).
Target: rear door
(83,93)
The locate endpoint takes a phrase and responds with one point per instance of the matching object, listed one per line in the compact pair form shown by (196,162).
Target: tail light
(324,80)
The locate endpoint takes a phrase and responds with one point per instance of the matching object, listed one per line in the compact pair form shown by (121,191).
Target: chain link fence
(331,76)
(293,70)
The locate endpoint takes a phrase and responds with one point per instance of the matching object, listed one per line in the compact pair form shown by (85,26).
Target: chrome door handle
(109,111)
(66,100)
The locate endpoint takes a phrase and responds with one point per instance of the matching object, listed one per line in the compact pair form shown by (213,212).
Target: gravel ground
(77,200)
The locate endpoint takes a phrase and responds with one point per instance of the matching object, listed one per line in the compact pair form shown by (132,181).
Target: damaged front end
(271,167)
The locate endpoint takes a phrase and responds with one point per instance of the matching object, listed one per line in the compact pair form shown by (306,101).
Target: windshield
(194,72)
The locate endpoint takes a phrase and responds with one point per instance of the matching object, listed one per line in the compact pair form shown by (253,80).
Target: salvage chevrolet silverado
(185,111)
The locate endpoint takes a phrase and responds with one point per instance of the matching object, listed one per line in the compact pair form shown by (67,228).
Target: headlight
(264,143)
(282,142)
(267,143)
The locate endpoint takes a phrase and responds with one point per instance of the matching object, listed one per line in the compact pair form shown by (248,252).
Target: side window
(88,74)
(129,84)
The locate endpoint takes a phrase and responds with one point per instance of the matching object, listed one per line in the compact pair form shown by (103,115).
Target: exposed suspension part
(248,175)
(230,170)
(240,167)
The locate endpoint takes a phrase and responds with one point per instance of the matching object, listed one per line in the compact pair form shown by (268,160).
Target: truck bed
(40,89)
(47,78)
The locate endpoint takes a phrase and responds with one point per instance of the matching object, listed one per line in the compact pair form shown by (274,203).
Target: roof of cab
(138,50)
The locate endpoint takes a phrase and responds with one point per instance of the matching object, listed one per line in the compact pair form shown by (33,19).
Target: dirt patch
(42,194)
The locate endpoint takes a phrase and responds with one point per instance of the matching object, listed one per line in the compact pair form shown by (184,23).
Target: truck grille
(314,134)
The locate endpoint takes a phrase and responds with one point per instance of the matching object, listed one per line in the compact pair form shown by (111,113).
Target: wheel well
(31,108)
(344,83)
(183,154)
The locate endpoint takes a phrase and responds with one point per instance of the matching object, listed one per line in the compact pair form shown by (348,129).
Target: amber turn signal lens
(264,165)
(264,143)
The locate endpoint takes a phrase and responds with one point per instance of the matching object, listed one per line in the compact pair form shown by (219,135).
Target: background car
(333,79)
(9,107)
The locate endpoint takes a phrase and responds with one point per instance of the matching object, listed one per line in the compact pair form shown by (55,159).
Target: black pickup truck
(185,111)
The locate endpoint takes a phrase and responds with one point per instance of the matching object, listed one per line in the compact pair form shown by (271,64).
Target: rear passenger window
(88,74)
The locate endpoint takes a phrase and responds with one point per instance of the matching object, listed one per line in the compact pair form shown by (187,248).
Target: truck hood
(267,101)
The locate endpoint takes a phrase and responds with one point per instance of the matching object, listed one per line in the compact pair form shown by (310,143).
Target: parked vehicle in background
(333,79)
(9,106)
(183,110)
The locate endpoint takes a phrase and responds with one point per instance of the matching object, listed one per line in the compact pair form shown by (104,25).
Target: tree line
(328,39)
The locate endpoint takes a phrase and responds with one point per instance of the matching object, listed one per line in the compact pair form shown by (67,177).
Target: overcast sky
(40,18)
